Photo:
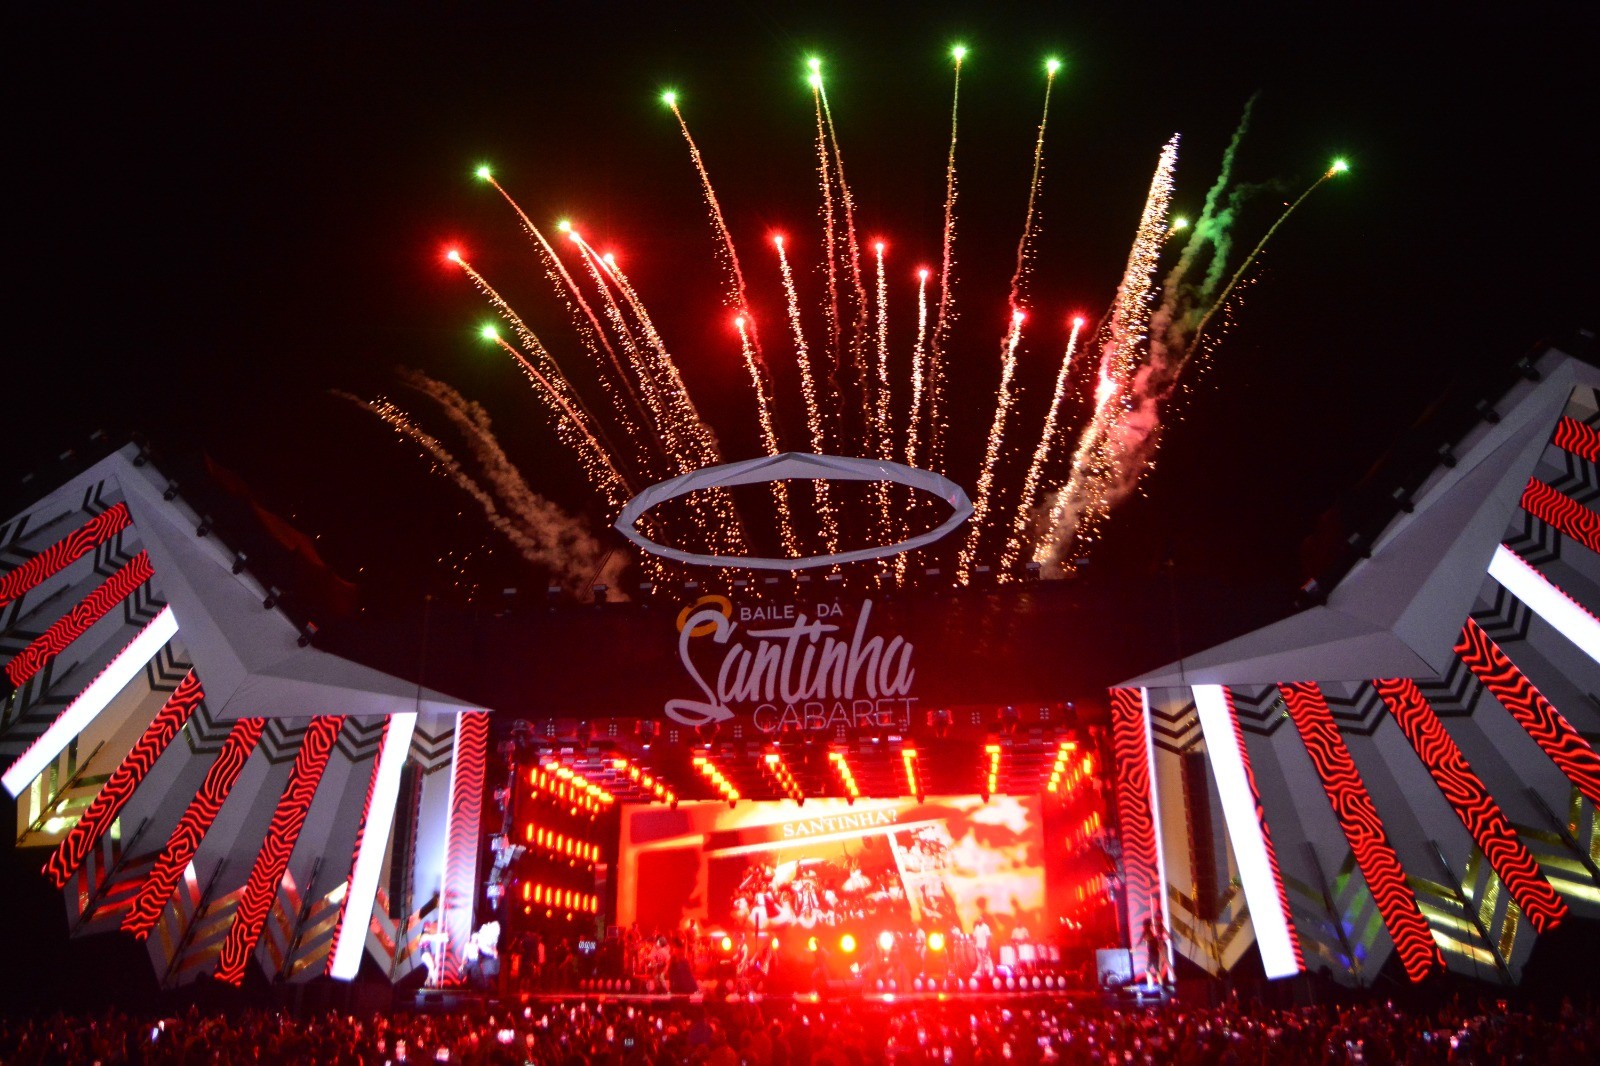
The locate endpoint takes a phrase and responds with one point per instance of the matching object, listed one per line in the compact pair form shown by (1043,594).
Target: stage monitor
(952,865)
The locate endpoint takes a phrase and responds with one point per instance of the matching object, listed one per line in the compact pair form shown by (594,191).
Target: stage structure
(207,781)
(1400,777)
(1404,774)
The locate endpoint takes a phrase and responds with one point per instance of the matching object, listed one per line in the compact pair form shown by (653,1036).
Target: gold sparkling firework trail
(679,403)
(769,438)
(991,452)
(597,338)
(830,236)
(1033,191)
(919,359)
(550,373)
(883,428)
(1030,483)
(1098,465)
(592,453)
(694,441)
(808,392)
(738,296)
(860,320)
(941,325)
(914,420)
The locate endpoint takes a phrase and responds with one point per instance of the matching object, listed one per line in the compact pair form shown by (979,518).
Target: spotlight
(1402,499)
(271,600)
(811,944)
(727,943)
(1487,413)
(646,588)
(171,492)
(1525,367)
(1032,570)
(204,528)
(1447,455)
(936,941)
(308,633)
(142,458)
(885,940)
(847,944)
(834,579)
(552,592)
(600,593)
(239,559)
(691,587)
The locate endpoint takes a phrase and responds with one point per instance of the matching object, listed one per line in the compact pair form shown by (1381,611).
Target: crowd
(804,1033)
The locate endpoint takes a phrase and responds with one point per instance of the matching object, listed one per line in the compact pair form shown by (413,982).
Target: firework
(769,436)
(808,392)
(991,453)
(1098,465)
(1076,472)
(941,326)
(1041,454)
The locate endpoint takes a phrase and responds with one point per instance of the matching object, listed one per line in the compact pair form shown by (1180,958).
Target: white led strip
(1546,600)
(128,664)
(363,889)
(1245,832)
(1155,821)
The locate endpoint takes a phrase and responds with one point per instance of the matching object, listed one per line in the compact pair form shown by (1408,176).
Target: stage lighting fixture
(691,587)
(142,458)
(834,579)
(600,592)
(204,528)
(1402,499)
(847,944)
(803,580)
(271,599)
(239,559)
(727,943)
(885,941)
(552,592)
(1033,571)
(646,588)
(1447,455)
(171,492)
(741,583)
(308,633)
(1526,368)
(1487,412)
(769,582)
(811,944)
(935,941)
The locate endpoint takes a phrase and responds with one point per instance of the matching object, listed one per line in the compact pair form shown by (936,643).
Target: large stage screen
(829,868)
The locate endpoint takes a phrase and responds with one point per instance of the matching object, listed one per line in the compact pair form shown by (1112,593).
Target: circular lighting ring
(799,466)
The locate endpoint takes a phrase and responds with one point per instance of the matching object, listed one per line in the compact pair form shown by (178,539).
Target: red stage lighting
(727,943)
(935,941)
(847,944)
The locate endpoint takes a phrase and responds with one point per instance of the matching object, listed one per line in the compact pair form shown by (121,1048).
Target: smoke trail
(991,453)
(547,536)
(882,420)
(1102,467)
(935,384)
(1041,454)
(769,438)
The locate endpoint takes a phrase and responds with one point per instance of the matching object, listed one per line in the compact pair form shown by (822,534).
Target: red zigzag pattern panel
(69,627)
(1546,725)
(460,864)
(267,874)
(1130,746)
(107,803)
(64,553)
(193,826)
(1575,437)
(1473,805)
(1358,817)
(1563,512)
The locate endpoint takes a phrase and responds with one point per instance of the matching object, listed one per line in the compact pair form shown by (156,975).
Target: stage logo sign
(792,666)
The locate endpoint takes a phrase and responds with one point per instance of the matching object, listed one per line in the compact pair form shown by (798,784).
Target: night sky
(217,218)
